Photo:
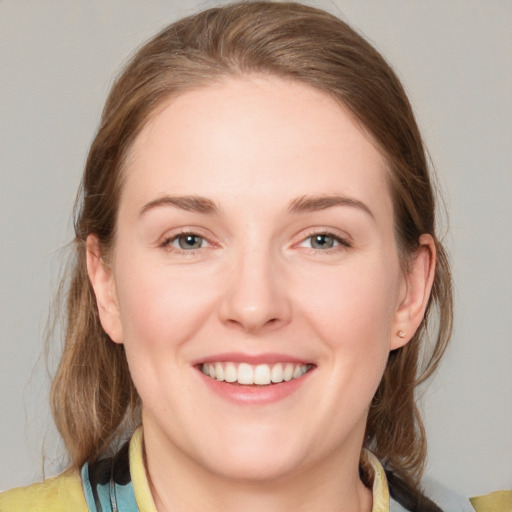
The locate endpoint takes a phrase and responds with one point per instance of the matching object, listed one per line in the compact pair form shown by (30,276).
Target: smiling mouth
(259,375)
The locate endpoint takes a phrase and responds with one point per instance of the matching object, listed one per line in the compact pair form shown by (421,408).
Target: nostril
(253,305)
(254,324)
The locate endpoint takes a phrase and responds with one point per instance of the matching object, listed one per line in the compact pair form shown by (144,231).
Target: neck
(180,484)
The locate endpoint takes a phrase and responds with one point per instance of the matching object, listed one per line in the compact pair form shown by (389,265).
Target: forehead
(254,136)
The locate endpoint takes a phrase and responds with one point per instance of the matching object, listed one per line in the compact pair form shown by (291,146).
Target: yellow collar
(380,483)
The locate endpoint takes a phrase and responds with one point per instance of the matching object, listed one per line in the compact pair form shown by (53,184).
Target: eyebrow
(301,204)
(314,203)
(189,203)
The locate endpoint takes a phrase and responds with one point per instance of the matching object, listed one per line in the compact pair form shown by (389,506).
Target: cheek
(160,313)
(352,300)
(160,308)
(353,315)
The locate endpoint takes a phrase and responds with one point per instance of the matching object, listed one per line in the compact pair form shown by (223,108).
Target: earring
(401,334)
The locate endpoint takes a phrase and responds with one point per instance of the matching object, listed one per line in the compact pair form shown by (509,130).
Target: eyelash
(341,243)
(168,241)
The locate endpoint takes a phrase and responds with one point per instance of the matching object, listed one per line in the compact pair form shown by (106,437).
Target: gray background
(57,59)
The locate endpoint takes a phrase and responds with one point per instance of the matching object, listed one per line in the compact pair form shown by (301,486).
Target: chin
(258,456)
(246,468)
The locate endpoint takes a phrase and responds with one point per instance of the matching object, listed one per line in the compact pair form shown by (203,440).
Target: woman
(256,266)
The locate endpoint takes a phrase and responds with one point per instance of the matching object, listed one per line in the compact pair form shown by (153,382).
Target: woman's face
(254,242)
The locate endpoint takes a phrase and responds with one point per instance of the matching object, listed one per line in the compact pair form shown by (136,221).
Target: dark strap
(409,498)
(107,484)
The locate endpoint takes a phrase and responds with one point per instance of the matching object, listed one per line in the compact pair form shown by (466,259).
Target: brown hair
(93,394)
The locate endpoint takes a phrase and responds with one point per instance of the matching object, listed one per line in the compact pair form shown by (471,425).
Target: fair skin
(256,232)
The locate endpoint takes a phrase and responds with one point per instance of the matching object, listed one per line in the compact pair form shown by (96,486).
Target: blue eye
(188,242)
(324,241)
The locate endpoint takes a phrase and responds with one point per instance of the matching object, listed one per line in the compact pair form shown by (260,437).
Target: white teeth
(230,373)
(219,372)
(288,372)
(277,373)
(245,374)
(261,374)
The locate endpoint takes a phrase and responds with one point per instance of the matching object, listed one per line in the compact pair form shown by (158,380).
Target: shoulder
(499,501)
(58,494)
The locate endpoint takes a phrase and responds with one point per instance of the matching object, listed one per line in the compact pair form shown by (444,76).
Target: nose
(255,298)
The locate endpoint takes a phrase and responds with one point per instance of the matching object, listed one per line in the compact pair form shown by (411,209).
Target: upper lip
(254,359)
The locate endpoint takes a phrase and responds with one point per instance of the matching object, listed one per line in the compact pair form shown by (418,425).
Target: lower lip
(254,395)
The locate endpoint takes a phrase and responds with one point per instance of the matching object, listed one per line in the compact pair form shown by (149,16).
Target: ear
(415,293)
(102,280)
